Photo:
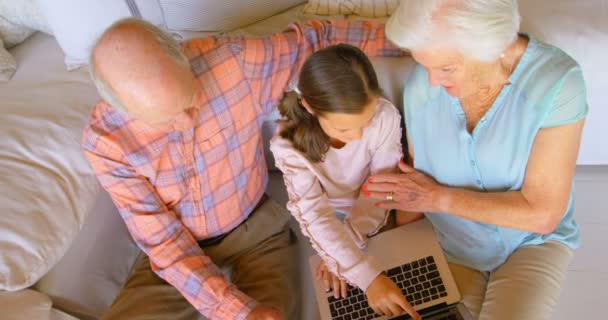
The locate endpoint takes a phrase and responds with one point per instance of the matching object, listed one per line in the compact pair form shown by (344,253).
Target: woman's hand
(385,298)
(331,281)
(411,191)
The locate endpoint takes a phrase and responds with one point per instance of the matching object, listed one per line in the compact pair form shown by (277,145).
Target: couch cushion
(47,187)
(77,24)
(25,305)
(100,257)
(217,16)
(184,18)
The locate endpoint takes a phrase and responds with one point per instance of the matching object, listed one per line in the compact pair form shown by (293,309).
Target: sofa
(64,250)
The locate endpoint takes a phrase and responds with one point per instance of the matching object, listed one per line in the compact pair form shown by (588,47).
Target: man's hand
(386,298)
(264,313)
(330,281)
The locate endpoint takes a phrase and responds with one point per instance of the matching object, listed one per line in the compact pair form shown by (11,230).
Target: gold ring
(389,196)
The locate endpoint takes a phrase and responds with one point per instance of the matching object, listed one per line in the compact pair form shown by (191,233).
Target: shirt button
(472,163)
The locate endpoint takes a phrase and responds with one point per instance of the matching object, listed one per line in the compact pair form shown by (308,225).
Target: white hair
(164,40)
(482,29)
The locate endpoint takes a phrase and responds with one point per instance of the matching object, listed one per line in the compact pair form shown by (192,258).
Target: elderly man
(176,142)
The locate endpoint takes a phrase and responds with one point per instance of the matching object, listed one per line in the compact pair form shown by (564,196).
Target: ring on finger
(389,196)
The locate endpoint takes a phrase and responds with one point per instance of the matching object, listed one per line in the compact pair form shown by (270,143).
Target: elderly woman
(494,120)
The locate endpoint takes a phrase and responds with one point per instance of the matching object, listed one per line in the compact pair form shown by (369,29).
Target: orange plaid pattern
(204,177)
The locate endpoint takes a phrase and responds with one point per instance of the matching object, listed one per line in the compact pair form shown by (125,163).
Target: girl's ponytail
(302,128)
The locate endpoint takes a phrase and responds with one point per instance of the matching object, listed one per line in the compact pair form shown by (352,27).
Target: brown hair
(337,79)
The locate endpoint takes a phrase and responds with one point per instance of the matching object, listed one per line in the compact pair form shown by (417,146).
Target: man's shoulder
(103,122)
(207,46)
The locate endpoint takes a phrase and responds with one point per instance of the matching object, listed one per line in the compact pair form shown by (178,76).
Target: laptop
(413,259)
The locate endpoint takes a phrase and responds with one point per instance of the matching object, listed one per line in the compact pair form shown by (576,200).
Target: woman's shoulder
(548,65)
(550,78)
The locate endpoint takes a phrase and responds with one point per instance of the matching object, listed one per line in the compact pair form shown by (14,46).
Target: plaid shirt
(204,176)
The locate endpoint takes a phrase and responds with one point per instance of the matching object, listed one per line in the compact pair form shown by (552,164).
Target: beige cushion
(47,186)
(25,305)
(217,16)
(363,8)
(8,66)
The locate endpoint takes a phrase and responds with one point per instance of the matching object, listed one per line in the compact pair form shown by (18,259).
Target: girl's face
(347,127)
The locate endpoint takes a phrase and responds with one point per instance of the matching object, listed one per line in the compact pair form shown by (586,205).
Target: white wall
(594,147)
(580,28)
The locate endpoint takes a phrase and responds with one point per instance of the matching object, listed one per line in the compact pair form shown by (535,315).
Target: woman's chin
(452,91)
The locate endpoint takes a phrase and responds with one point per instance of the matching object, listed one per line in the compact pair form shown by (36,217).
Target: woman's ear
(306,106)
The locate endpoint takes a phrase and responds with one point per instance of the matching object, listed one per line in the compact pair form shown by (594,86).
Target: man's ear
(307,106)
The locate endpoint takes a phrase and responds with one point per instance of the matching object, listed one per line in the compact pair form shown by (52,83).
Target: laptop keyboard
(418,280)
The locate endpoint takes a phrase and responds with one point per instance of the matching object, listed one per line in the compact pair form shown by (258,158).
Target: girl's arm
(308,203)
(365,219)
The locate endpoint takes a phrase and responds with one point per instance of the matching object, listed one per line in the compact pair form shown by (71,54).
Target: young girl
(336,131)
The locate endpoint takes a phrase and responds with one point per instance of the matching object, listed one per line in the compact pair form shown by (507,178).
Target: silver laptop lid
(412,257)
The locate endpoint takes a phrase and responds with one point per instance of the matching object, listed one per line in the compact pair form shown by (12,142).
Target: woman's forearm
(508,209)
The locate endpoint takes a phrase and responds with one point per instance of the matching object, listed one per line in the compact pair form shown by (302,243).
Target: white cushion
(363,8)
(26,13)
(76,24)
(47,186)
(13,34)
(25,305)
(18,20)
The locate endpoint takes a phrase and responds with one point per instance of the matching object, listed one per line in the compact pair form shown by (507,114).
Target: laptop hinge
(424,312)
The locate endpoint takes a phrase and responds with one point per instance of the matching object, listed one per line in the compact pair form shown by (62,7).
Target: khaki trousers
(526,287)
(259,256)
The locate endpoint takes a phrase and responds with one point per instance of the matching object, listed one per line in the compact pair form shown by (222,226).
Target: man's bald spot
(127,46)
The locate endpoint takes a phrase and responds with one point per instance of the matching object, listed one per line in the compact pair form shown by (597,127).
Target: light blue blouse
(547,89)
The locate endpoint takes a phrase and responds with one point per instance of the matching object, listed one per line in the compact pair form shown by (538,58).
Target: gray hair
(479,28)
(164,40)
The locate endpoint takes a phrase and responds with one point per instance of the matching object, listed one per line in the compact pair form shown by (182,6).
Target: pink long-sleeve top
(317,190)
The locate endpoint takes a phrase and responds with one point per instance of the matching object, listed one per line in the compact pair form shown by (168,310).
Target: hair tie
(297,91)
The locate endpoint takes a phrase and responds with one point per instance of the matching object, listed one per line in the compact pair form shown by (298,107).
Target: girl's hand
(330,281)
(385,298)
(411,190)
